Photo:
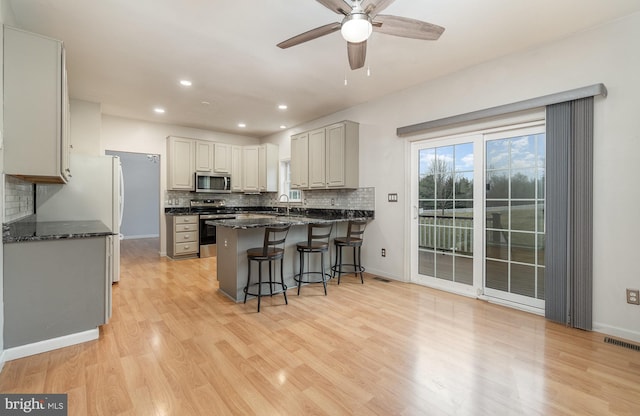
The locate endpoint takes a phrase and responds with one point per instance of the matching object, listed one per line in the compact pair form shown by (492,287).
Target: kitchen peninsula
(236,236)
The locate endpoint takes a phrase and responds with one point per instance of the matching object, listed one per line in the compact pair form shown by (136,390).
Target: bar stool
(355,232)
(317,242)
(271,250)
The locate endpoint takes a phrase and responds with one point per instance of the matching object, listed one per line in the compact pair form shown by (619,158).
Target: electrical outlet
(633,296)
(383,253)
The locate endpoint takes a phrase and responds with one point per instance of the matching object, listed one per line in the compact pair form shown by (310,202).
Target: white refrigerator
(94,192)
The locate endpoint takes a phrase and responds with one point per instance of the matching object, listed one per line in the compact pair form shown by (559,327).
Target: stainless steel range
(209,209)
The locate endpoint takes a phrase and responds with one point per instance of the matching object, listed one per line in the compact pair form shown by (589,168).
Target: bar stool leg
(259,284)
(360,264)
(324,278)
(284,287)
(301,270)
(246,288)
(339,262)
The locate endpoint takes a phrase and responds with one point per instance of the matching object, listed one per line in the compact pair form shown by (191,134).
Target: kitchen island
(236,236)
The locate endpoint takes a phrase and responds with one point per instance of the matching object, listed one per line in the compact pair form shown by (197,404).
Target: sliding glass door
(478,214)
(514,216)
(445,213)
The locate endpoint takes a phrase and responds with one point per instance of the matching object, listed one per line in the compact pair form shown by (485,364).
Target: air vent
(382,279)
(622,344)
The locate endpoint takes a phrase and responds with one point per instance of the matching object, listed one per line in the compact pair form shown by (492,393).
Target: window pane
(523,247)
(426,187)
(464,185)
(444,266)
(426,161)
(464,157)
(498,154)
(464,270)
(523,183)
(426,263)
(498,184)
(444,238)
(464,240)
(523,280)
(496,245)
(498,214)
(497,275)
(523,215)
(444,159)
(523,152)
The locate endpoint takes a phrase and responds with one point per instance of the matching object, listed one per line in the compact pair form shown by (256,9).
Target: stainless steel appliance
(205,182)
(209,209)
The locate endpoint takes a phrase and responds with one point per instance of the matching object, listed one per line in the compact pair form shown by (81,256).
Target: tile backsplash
(18,199)
(352,199)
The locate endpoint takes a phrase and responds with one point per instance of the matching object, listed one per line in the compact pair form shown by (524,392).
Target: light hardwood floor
(176,346)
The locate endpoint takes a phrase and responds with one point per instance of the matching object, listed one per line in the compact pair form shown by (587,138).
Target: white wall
(125,135)
(607,54)
(86,123)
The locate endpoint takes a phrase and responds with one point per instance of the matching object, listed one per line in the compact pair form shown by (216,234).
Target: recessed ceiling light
(242,125)
(283,126)
(185,82)
(282,107)
(205,102)
(159,110)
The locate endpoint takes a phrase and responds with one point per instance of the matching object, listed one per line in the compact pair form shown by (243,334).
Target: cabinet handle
(186,237)
(186,247)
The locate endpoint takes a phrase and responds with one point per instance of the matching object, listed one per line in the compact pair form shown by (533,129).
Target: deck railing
(445,233)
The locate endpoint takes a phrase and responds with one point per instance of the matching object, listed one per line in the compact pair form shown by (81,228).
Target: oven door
(207,239)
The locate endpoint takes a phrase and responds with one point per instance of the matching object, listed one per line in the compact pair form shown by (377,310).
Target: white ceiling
(130,54)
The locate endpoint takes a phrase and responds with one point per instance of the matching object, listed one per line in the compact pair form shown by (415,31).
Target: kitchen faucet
(286,196)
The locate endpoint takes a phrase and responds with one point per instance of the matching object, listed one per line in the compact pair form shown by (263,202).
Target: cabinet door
(181,163)
(236,168)
(317,158)
(250,168)
(335,156)
(299,161)
(222,158)
(34,123)
(204,156)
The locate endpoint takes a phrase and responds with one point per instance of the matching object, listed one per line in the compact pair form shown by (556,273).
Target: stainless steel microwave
(205,182)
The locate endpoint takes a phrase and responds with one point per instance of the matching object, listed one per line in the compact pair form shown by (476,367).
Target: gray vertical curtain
(569,213)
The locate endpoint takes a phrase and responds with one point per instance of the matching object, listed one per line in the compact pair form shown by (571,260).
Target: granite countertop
(30,230)
(277,220)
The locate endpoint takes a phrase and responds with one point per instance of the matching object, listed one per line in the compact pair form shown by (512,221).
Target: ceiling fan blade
(357,54)
(337,6)
(309,35)
(372,7)
(407,28)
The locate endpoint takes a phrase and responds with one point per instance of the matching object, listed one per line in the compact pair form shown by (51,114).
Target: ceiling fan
(360,19)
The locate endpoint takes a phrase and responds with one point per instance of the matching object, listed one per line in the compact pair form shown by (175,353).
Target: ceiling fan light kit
(356,27)
(359,22)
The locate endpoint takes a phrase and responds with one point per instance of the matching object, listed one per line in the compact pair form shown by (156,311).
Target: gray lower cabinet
(54,288)
(182,236)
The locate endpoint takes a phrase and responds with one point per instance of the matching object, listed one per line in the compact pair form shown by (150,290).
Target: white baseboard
(2,360)
(383,274)
(50,344)
(616,332)
(135,237)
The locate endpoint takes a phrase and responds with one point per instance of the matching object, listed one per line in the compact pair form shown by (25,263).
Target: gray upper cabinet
(326,158)
(180,163)
(36,108)
(300,161)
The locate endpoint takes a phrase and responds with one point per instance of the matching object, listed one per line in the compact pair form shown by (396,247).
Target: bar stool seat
(353,239)
(317,242)
(271,251)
